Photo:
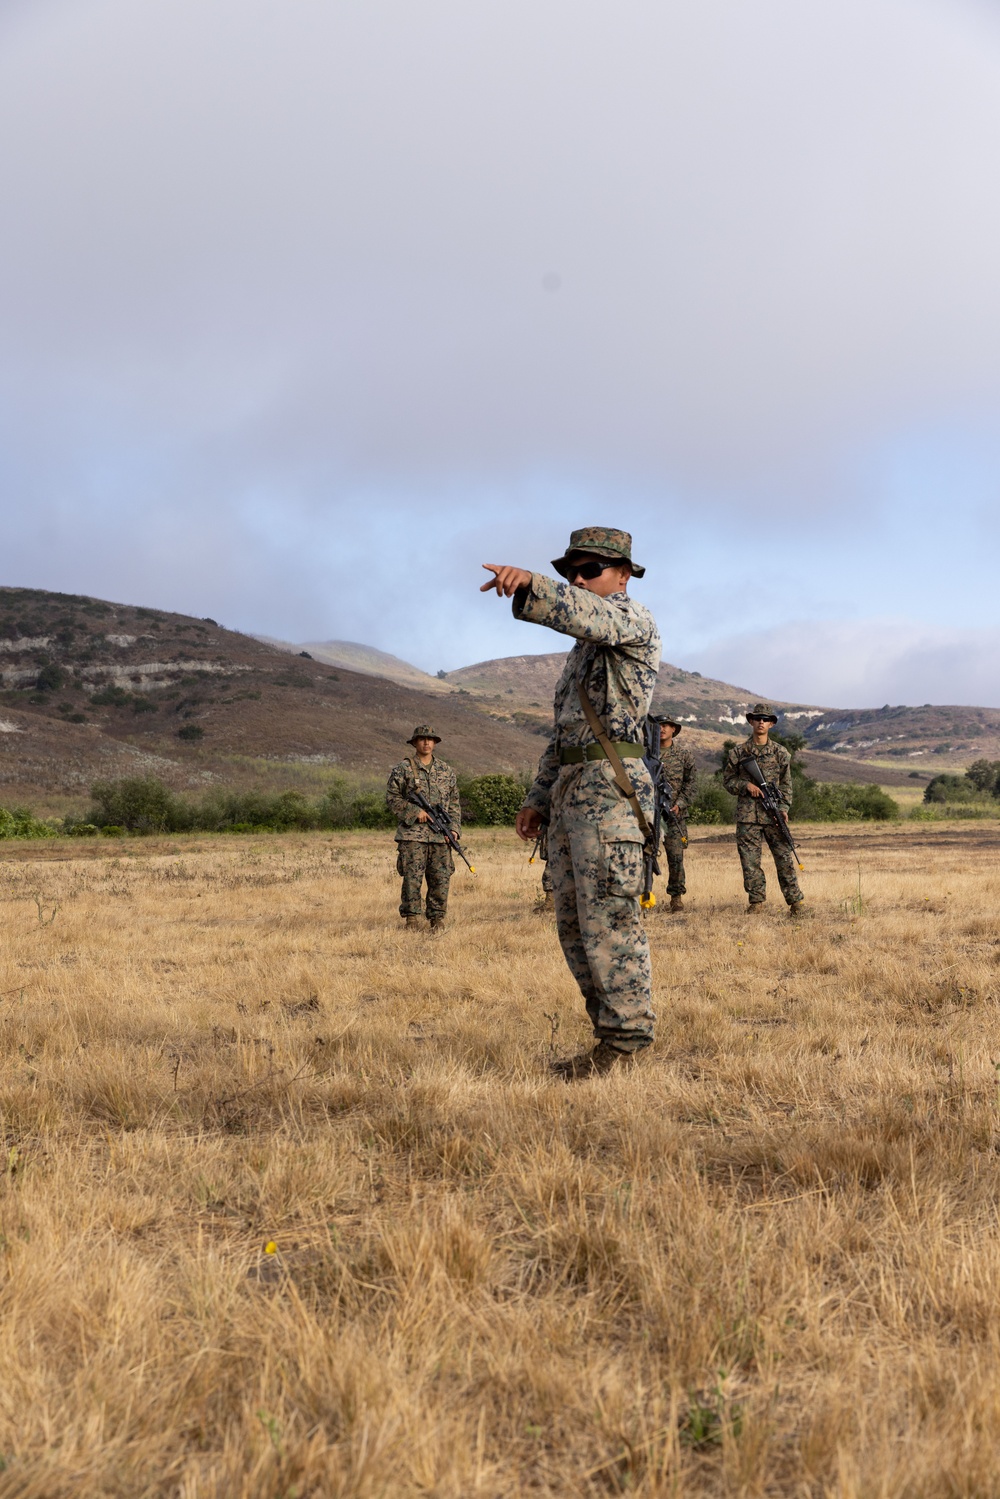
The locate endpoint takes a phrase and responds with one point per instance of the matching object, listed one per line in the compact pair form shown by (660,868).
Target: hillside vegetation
(91,690)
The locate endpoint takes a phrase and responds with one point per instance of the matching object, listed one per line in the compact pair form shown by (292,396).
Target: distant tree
(727,745)
(984,774)
(951,788)
(142,804)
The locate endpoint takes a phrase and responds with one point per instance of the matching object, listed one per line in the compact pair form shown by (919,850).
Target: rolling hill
(366,659)
(885,744)
(92,689)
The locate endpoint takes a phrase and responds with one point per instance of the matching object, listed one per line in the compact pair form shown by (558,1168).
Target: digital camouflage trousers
(748,841)
(417,862)
(595,862)
(674,850)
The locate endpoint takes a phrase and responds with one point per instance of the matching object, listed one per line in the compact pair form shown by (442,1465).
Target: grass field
(764,1261)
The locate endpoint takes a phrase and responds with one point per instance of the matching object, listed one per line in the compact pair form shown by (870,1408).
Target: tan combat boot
(755,908)
(547,906)
(797,908)
(415,923)
(437,923)
(676,903)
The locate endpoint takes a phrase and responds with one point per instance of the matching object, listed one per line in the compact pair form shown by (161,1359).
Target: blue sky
(307,310)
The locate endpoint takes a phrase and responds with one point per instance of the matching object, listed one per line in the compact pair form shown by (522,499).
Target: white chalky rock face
(6,727)
(122,640)
(25,643)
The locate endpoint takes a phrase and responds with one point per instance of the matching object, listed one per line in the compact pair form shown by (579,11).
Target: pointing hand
(507,581)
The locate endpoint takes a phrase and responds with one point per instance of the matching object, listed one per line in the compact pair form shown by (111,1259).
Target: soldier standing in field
(596,831)
(422,853)
(680,770)
(752,822)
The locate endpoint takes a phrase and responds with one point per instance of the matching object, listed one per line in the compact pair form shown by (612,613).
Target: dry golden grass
(766,1260)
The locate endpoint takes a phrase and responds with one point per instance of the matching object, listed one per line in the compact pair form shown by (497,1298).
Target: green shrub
(370,811)
(832,802)
(343,807)
(492,800)
(712,805)
(952,788)
(51,677)
(191,732)
(139,804)
(18,822)
(253,811)
(111,697)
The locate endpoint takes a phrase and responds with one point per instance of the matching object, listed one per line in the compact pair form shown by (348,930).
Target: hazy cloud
(304,308)
(864,663)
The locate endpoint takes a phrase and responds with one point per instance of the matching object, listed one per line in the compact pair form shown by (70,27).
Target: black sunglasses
(758,718)
(588,570)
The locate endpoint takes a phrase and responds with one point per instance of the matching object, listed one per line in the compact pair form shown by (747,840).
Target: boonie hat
(674,723)
(600,541)
(423,732)
(762,710)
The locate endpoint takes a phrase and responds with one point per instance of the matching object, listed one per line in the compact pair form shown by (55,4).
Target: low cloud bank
(863,663)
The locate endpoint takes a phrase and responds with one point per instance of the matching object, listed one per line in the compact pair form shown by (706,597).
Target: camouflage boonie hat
(601,541)
(762,710)
(674,723)
(423,732)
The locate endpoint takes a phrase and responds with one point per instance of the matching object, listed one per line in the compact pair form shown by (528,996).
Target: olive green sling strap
(614,760)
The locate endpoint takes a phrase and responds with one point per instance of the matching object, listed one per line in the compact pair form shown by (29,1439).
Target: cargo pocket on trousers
(623,868)
(399,860)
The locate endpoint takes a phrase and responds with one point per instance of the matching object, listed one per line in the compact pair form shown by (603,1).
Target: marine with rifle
(422,794)
(758,773)
(591,786)
(679,772)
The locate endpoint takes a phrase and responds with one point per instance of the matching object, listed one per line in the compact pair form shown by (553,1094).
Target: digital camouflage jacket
(616,656)
(438,784)
(775,763)
(680,770)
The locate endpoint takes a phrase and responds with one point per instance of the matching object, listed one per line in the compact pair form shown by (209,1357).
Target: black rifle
(439,822)
(663,810)
(542,838)
(771,802)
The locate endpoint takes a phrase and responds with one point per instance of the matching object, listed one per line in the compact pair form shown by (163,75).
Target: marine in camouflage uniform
(595,844)
(681,771)
(422,854)
(753,823)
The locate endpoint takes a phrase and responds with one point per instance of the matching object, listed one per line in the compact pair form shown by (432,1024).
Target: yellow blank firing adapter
(647,900)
